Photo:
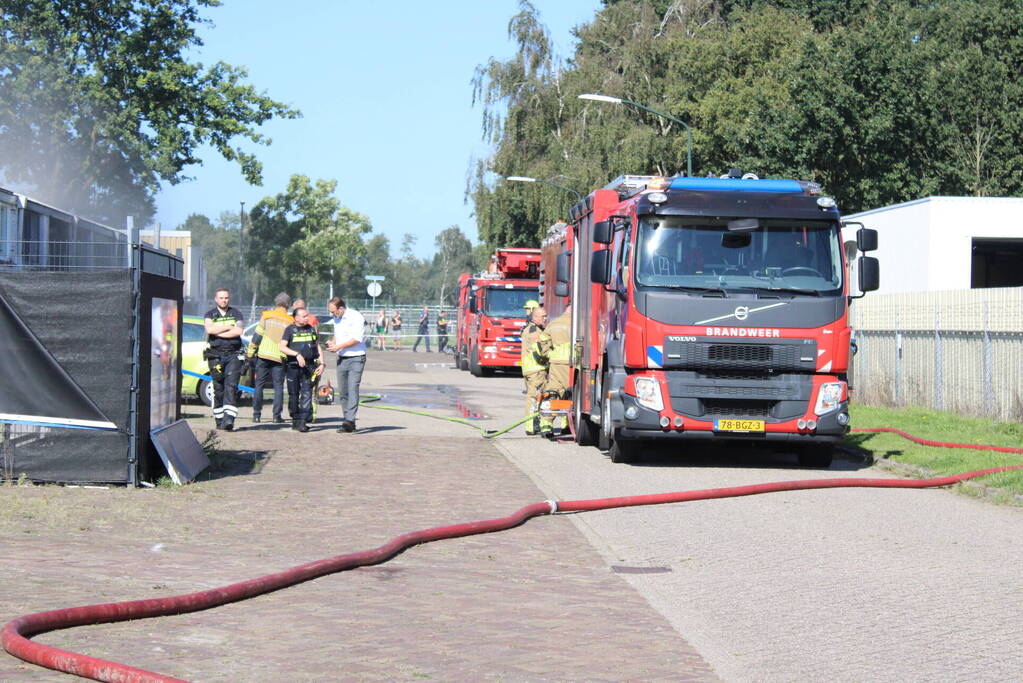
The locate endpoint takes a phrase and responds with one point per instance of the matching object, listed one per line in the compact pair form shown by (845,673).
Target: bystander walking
(424,329)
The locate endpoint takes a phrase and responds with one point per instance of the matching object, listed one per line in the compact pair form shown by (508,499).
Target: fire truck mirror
(472,303)
(870,274)
(563,272)
(600,267)
(866,239)
(602,233)
(561,289)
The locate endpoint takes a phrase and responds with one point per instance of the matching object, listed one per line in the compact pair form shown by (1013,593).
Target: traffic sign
(378,278)
(374,289)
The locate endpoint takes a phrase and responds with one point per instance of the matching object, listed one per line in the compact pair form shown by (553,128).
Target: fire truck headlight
(828,398)
(648,393)
(489,349)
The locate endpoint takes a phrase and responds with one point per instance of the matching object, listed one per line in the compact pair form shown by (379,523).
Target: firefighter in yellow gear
(533,371)
(555,348)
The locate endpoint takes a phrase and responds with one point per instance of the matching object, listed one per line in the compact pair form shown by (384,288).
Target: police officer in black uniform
(224,355)
(302,349)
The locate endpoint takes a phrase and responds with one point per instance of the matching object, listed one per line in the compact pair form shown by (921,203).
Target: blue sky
(384,88)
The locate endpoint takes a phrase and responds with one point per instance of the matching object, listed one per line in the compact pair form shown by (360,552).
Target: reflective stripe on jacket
(555,342)
(531,362)
(266,343)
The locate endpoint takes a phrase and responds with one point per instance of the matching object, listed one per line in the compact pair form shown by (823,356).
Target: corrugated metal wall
(959,351)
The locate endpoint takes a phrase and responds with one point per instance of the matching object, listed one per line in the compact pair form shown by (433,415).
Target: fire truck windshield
(798,257)
(508,303)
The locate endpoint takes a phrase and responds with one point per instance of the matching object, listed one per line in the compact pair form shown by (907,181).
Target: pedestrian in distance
(381,330)
(424,329)
(442,332)
(225,357)
(396,329)
(302,349)
(534,370)
(348,344)
(265,350)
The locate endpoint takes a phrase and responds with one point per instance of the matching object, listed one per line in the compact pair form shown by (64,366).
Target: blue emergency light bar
(735,185)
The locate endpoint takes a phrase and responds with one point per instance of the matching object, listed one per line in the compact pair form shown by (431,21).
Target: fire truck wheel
(817,455)
(475,368)
(623,450)
(585,431)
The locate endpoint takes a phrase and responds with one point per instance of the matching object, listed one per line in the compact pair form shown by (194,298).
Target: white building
(947,243)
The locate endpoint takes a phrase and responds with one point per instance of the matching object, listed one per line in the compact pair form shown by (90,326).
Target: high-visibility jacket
(266,342)
(530,361)
(555,344)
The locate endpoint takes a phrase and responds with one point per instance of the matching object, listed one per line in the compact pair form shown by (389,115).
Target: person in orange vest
(264,349)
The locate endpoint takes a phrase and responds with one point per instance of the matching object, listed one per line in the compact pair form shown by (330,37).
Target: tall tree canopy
(299,236)
(98,103)
(881,102)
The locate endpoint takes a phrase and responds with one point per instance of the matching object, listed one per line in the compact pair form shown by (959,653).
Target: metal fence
(391,339)
(64,256)
(958,351)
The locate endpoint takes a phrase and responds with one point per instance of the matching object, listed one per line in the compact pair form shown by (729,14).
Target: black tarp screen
(84,320)
(37,390)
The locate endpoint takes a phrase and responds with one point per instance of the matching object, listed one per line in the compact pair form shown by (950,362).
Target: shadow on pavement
(225,464)
(746,456)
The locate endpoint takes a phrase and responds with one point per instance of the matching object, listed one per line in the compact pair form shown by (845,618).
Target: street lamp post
(524,179)
(621,100)
(241,246)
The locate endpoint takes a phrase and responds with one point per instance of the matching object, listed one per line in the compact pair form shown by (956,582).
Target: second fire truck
(491,311)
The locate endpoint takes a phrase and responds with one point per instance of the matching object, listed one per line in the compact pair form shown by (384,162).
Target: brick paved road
(849,585)
(537,603)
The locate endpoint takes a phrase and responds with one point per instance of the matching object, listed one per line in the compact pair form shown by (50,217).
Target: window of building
(995,263)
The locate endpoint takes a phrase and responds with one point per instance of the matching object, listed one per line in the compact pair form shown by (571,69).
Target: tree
(297,237)
(879,102)
(99,105)
(453,256)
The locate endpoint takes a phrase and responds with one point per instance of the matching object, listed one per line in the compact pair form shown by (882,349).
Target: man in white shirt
(351,358)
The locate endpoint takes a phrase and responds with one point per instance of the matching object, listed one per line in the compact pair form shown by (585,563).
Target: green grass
(947,427)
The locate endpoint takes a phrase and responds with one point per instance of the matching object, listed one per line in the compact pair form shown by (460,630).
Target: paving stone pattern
(536,603)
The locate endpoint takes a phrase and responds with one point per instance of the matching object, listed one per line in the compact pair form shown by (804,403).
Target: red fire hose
(15,634)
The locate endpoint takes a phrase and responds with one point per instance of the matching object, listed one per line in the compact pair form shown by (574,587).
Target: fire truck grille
(780,355)
(738,409)
(758,353)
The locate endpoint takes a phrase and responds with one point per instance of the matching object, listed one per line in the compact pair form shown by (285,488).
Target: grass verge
(948,427)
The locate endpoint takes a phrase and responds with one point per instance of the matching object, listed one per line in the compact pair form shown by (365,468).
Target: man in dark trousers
(348,344)
(224,354)
(424,329)
(302,349)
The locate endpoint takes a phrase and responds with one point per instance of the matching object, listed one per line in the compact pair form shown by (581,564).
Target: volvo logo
(740,313)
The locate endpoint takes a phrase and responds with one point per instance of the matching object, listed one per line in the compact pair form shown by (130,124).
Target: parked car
(193,341)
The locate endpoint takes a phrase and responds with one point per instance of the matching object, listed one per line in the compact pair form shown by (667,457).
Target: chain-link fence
(958,351)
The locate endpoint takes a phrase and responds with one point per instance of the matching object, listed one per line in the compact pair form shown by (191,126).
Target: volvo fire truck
(708,308)
(491,311)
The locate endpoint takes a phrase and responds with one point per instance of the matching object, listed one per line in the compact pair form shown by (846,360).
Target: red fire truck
(708,308)
(491,311)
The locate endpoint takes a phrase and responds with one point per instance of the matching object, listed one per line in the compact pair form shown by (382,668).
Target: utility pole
(241,245)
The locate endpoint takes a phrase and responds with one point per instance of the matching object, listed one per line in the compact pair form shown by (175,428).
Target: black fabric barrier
(36,386)
(85,322)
